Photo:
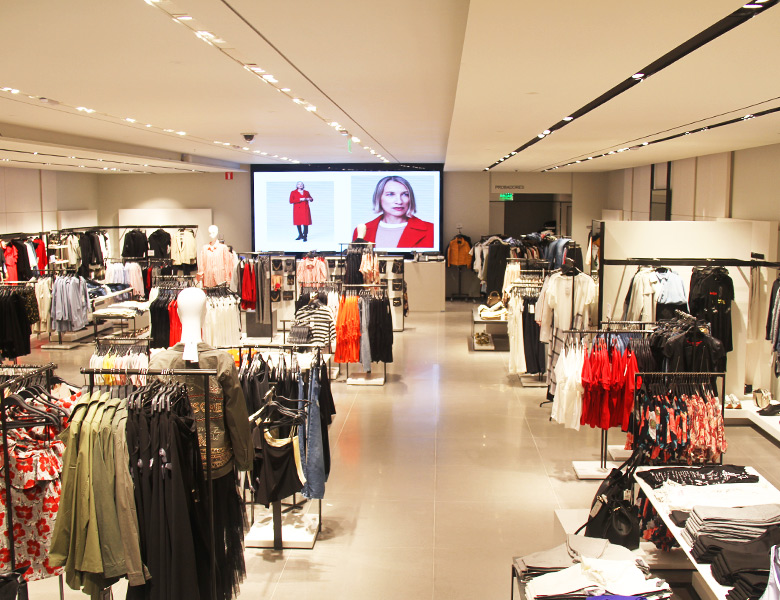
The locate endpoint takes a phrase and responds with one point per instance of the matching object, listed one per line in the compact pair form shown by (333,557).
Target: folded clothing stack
(741,524)
(748,586)
(567,554)
(707,548)
(597,577)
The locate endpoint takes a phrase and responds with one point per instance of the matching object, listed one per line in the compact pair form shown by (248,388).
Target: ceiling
(450,81)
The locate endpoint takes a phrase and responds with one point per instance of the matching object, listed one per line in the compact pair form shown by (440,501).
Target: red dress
(301,212)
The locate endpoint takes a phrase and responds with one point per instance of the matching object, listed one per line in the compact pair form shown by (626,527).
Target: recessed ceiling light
(284,90)
(129,120)
(311,108)
(269,78)
(182,18)
(245,148)
(226,143)
(168,130)
(356,139)
(264,153)
(637,75)
(181,133)
(540,136)
(85,109)
(645,143)
(546,132)
(567,118)
(276,156)
(752,6)
(148,124)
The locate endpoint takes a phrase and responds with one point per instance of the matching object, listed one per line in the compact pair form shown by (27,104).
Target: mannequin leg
(300,233)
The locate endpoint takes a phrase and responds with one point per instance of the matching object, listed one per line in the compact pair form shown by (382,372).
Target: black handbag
(396,302)
(288,295)
(299,334)
(276,295)
(9,583)
(613,515)
(398,286)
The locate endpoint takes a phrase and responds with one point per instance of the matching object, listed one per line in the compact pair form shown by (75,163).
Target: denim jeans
(365,341)
(311,443)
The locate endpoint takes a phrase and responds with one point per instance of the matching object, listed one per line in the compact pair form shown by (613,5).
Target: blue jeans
(365,341)
(311,440)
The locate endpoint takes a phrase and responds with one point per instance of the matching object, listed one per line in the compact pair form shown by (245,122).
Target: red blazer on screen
(416,234)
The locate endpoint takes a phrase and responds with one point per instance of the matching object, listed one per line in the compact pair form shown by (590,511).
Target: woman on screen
(395,227)
(300,199)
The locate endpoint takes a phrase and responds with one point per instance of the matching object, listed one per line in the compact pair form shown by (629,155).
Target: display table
(496,325)
(425,285)
(703,581)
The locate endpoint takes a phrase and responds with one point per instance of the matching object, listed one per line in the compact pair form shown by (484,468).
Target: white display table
(425,285)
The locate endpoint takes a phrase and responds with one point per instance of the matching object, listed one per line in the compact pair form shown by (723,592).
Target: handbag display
(396,302)
(383,266)
(613,515)
(276,295)
(493,298)
(299,334)
(288,295)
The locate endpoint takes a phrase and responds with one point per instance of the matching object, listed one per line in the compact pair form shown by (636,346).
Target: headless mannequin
(192,312)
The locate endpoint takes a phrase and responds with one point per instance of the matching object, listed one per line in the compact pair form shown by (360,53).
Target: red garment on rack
(348,331)
(248,288)
(11,256)
(175,323)
(40,251)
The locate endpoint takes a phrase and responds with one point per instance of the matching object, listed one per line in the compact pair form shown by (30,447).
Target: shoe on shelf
(770,411)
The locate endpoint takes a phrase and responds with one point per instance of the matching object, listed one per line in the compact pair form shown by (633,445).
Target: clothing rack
(604,449)
(672,262)
(205,373)
(276,506)
(691,376)
(105,227)
(32,372)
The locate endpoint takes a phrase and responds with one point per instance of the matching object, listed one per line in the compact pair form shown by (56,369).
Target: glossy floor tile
(438,478)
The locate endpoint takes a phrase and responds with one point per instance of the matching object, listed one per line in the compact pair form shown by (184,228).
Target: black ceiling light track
(714,31)
(761,113)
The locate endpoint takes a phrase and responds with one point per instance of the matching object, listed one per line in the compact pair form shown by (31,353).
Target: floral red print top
(36,469)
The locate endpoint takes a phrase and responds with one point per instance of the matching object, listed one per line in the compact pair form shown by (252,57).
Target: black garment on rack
(695,351)
(710,298)
(159,244)
(15,327)
(535,357)
(380,330)
(135,245)
(275,471)
(498,253)
(160,318)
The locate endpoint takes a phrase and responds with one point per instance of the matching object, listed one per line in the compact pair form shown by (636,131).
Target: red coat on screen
(301,212)
(417,233)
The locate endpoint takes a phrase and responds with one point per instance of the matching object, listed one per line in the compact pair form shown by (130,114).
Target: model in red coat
(300,199)
(396,227)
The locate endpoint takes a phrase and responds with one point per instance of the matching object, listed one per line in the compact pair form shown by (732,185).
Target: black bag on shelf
(613,515)
(288,295)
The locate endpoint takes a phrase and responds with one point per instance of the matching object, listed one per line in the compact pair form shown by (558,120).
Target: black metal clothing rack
(205,373)
(672,262)
(276,506)
(33,372)
(604,450)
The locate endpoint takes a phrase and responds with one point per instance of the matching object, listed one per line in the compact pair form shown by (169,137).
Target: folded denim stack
(741,524)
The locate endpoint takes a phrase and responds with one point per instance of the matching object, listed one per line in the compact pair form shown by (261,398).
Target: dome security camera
(249,137)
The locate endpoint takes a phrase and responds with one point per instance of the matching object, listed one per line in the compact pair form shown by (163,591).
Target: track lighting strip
(668,138)
(726,24)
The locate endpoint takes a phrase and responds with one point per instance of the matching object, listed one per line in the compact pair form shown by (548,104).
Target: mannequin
(192,312)
(215,261)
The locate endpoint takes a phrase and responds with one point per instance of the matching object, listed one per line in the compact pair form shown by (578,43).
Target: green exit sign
(505,196)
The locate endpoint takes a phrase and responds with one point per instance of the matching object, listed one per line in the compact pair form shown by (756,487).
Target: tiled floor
(438,478)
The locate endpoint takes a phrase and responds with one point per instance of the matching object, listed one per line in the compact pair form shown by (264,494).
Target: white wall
(756,183)
(590,193)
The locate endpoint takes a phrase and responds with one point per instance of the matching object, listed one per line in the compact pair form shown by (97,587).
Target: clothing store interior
(381,307)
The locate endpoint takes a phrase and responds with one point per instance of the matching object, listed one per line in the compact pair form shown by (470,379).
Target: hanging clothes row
(122,354)
(364,329)
(319,316)
(526,352)
(290,433)
(654,294)
(70,304)
(361,265)
(684,344)
(251,280)
(129,273)
(32,465)
(711,296)
(311,270)
(566,301)
(20,259)
(678,418)
(163,314)
(773,324)
(19,309)
(222,325)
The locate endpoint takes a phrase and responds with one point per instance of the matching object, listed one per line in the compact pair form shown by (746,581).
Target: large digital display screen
(302,210)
